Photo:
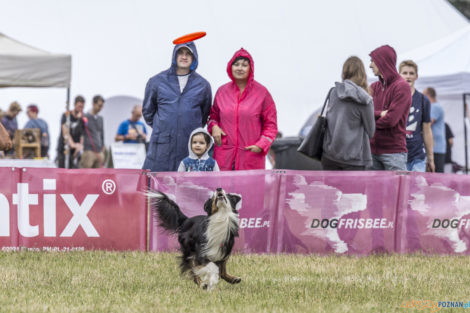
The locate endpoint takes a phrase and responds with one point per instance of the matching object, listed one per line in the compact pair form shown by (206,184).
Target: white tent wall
(298,46)
(453,115)
(449,95)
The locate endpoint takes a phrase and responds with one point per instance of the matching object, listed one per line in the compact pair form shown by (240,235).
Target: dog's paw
(236,280)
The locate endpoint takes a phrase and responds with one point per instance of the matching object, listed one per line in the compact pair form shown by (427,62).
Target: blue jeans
(389,161)
(416,165)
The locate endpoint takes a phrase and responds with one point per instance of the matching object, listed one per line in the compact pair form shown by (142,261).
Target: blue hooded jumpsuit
(173,115)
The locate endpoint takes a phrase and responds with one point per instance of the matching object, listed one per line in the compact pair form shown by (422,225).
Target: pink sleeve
(269,127)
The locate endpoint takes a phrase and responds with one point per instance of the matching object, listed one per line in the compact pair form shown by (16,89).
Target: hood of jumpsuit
(192,47)
(205,156)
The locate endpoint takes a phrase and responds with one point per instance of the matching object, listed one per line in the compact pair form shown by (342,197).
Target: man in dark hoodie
(176,102)
(392,101)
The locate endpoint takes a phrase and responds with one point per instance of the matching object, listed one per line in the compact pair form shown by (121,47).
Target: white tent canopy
(447,55)
(444,64)
(24,66)
(298,46)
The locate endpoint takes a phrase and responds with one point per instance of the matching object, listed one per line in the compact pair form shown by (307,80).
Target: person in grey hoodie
(200,142)
(350,121)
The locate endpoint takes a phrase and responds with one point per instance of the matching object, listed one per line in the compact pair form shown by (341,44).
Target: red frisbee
(189,37)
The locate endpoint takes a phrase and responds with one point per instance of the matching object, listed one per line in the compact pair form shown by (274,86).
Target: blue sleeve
(123,129)
(436,112)
(150,106)
(426,110)
(44,127)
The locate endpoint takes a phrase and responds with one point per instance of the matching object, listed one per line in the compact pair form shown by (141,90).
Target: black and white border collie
(205,241)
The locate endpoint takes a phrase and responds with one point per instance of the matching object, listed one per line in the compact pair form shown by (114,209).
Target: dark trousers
(330,165)
(439,161)
(44,151)
(73,162)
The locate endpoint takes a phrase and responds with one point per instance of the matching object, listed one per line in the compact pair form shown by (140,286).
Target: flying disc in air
(189,37)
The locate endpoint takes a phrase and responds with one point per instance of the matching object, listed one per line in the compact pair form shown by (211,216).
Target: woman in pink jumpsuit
(243,118)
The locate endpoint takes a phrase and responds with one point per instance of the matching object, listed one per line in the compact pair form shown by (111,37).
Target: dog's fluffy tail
(166,210)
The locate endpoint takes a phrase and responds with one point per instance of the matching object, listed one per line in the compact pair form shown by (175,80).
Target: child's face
(199,145)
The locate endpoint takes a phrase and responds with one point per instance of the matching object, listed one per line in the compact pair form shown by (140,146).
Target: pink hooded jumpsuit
(247,119)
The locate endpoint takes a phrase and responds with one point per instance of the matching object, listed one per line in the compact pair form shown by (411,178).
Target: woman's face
(241,69)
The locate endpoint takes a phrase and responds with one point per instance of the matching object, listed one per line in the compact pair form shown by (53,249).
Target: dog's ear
(235,201)
(208,206)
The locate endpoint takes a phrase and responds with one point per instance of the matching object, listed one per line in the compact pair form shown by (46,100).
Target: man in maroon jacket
(392,101)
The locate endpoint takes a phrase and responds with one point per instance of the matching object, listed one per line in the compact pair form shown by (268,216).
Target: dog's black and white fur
(203,239)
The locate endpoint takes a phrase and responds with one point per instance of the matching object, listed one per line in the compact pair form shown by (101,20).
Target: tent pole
(67,126)
(68,98)
(465,113)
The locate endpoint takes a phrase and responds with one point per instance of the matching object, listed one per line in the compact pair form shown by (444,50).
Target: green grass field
(150,282)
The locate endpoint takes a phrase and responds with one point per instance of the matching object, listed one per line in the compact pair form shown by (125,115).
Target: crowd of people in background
(81,140)
(388,125)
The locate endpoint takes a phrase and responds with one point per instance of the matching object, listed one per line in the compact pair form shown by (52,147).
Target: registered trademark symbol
(108,186)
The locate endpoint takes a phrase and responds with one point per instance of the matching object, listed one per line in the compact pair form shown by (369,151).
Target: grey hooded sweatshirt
(350,125)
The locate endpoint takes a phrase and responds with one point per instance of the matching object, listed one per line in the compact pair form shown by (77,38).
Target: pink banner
(337,212)
(259,190)
(282,211)
(58,209)
(8,216)
(294,211)
(434,214)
